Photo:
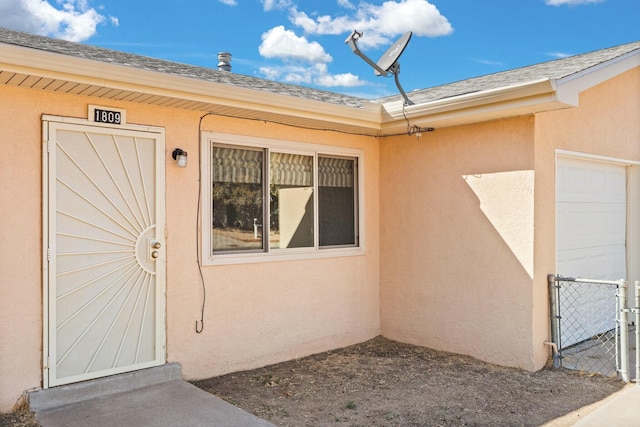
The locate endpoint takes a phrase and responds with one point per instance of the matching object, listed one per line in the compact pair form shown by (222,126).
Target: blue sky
(302,41)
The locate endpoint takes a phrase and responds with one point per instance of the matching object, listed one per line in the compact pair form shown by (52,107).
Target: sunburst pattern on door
(107,253)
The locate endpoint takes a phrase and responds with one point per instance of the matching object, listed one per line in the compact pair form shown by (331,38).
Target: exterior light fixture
(180,156)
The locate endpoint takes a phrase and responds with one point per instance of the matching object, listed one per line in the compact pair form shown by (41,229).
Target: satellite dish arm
(351,41)
(395,70)
(394,52)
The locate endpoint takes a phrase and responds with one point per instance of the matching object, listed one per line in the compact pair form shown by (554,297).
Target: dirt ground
(20,418)
(385,383)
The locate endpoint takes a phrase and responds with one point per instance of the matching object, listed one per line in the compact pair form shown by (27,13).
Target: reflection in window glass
(291,200)
(237,193)
(336,201)
(276,200)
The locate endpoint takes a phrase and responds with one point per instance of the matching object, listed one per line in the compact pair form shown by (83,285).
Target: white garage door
(591,235)
(591,219)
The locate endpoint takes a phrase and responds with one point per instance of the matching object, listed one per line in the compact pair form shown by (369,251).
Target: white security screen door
(105,279)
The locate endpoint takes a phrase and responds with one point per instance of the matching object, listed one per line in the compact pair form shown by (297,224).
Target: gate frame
(621,318)
(636,310)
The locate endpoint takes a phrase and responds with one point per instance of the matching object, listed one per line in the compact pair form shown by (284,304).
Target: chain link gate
(590,326)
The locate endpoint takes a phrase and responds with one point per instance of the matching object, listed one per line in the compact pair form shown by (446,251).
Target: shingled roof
(556,69)
(169,67)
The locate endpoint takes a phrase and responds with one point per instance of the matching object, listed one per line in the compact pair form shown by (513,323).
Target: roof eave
(570,87)
(521,99)
(36,63)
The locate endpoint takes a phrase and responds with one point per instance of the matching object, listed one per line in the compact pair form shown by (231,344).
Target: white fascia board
(570,87)
(532,97)
(542,91)
(24,60)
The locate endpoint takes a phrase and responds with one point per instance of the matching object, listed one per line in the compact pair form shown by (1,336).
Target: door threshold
(56,397)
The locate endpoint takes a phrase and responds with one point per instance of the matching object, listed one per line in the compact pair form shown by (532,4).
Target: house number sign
(106,116)
(113,116)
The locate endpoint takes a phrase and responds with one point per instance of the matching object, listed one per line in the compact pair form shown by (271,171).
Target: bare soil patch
(19,418)
(386,383)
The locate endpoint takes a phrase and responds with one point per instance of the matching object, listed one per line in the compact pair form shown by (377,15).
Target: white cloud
(342,80)
(305,61)
(271,73)
(72,20)
(270,5)
(379,22)
(346,4)
(285,44)
(571,2)
(229,2)
(317,74)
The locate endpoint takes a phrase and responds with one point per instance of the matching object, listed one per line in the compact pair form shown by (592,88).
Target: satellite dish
(390,57)
(388,62)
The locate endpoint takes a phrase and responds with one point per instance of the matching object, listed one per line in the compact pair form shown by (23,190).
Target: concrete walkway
(155,397)
(621,409)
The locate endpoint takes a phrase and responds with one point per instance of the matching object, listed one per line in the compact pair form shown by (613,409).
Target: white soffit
(20,66)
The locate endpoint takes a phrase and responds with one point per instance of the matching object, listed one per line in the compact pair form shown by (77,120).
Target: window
(237,194)
(273,199)
(336,201)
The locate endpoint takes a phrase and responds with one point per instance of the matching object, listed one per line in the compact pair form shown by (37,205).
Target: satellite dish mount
(388,62)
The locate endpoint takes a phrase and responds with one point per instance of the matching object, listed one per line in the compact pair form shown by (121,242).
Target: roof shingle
(552,69)
(555,69)
(169,67)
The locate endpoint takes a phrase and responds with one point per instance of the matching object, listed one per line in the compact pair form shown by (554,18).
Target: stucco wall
(466,242)
(457,240)
(607,124)
(458,243)
(259,314)
(256,314)
(20,245)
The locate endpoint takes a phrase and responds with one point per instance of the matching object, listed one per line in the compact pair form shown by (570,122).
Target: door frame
(160,153)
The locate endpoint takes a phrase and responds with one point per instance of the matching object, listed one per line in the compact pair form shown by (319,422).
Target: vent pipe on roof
(224,61)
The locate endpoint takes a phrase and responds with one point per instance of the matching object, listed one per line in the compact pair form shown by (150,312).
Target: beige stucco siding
(468,224)
(20,244)
(457,240)
(606,123)
(258,314)
(459,228)
(255,314)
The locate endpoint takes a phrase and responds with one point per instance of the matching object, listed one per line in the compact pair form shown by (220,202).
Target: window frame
(267,254)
